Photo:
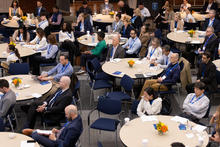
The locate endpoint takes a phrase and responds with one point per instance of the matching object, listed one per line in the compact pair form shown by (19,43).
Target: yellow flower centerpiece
(131,63)
(161,128)
(16,81)
(24,18)
(191,33)
(112,13)
(12,43)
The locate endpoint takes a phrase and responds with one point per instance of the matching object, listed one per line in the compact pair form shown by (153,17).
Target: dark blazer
(215,25)
(86,10)
(209,75)
(126,10)
(127,31)
(119,53)
(36,11)
(137,23)
(174,74)
(102,6)
(87,26)
(214,6)
(61,102)
(211,44)
(71,133)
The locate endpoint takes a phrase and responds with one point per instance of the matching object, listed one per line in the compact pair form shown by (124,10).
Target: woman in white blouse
(21,35)
(189,18)
(150,104)
(66,33)
(40,40)
(185,5)
(154,51)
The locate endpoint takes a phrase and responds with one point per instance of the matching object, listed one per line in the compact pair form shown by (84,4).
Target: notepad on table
(117,73)
(148,118)
(44,82)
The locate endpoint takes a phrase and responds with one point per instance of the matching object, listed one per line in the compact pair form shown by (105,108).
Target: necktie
(54,98)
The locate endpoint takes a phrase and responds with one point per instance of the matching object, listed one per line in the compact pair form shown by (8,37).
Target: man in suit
(206,74)
(53,106)
(84,9)
(210,5)
(124,8)
(115,50)
(106,6)
(212,21)
(67,136)
(117,24)
(39,8)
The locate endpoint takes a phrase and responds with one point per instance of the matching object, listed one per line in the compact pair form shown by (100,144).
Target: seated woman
(66,33)
(144,38)
(154,51)
(83,25)
(55,20)
(48,54)
(117,24)
(40,40)
(136,20)
(126,29)
(96,52)
(149,104)
(185,5)
(14,9)
(189,18)
(177,23)
(21,35)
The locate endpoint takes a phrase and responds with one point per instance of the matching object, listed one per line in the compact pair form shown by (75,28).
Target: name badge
(203,48)
(163,77)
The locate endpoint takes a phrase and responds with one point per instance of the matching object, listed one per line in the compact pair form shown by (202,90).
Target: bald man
(53,107)
(170,75)
(115,50)
(67,136)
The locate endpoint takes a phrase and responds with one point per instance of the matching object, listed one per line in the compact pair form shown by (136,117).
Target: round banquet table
(183,37)
(87,39)
(140,67)
(217,64)
(196,15)
(15,142)
(27,93)
(136,130)
(102,18)
(24,51)
(14,24)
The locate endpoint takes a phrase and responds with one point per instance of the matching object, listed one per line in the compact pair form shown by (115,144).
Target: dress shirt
(39,43)
(60,71)
(117,26)
(133,45)
(112,52)
(43,24)
(211,22)
(196,106)
(50,51)
(154,54)
(151,109)
(145,12)
(11,58)
(66,36)
(164,60)
(20,38)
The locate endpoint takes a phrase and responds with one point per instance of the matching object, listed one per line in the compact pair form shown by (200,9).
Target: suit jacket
(71,133)
(126,10)
(209,75)
(119,27)
(145,40)
(36,11)
(6,102)
(137,23)
(127,31)
(119,53)
(103,7)
(215,25)
(61,102)
(86,10)
(211,44)
(214,6)
(185,74)
(174,74)
(87,26)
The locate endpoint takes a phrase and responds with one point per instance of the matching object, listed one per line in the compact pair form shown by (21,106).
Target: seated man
(212,21)
(206,74)
(115,50)
(53,106)
(66,136)
(84,9)
(170,75)
(55,20)
(96,52)
(40,9)
(196,104)
(6,101)
(106,6)
(133,45)
(43,21)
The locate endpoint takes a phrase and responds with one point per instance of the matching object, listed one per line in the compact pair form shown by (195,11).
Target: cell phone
(31,141)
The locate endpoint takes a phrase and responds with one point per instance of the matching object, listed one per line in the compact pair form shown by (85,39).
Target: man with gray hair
(171,75)
(53,106)
(212,21)
(67,136)
(115,50)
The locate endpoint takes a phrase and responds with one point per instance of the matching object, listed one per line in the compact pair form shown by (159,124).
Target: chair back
(18,68)
(218,77)
(103,55)
(134,106)
(109,106)
(208,111)
(127,82)
(91,75)
(10,110)
(76,88)
(95,64)
(74,81)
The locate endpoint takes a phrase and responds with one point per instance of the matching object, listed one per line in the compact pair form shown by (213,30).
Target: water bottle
(93,38)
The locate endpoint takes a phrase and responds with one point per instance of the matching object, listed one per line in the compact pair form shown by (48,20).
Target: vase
(130,65)
(191,35)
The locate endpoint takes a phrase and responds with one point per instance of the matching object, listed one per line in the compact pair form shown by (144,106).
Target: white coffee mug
(127,119)
(144,142)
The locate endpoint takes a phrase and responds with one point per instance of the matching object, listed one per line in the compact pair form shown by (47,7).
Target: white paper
(46,132)
(195,41)
(148,118)
(180,31)
(190,135)
(138,62)
(179,119)
(92,44)
(25,144)
(36,95)
(199,128)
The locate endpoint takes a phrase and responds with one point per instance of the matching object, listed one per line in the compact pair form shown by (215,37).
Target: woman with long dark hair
(21,35)
(14,9)
(66,33)
(40,40)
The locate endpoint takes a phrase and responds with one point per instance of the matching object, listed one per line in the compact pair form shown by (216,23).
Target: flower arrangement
(191,33)
(161,127)
(16,81)
(24,18)
(131,63)
(12,43)
(112,13)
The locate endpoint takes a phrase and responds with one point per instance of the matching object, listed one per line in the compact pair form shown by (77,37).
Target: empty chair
(18,68)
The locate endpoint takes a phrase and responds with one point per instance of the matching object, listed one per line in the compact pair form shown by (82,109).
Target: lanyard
(49,49)
(39,11)
(38,41)
(133,19)
(116,26)
(207,40)
(64,67)
(167,60)
(20,37)
(11,53)
(70,35)
(42,22)
(124,30)
(112,52)
(170,69)
(14,11)
(175,24)
(66,124)
(81,27)
(130,46)
(152,52)
(196,99)
(211,22)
